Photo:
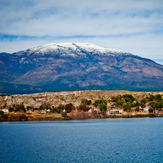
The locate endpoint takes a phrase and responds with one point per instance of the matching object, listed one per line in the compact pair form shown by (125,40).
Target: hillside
(79,66)
(65,97)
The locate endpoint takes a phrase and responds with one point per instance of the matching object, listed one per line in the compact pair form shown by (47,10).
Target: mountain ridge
(77,66)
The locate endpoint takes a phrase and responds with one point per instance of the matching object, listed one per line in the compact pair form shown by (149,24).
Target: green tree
(143,102)
(128,98)
(1,112)
(153,105)
(20,107)
(151,110)
(60,106)
(102,107)
(160,105)
(127,106)
(151,98)
(83,107)
(137,108)
(158,97)
(100,101)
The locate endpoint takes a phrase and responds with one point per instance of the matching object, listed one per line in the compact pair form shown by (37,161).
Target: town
(110,104)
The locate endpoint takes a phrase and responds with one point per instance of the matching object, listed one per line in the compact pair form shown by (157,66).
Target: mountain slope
(69,66)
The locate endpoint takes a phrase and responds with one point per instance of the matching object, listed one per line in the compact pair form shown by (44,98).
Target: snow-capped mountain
(74,66)
(73,49)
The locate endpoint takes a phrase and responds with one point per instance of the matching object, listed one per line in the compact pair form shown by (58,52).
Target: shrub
(69,107)
(126,106)
(158,97)
(102,107)
(101,101)
(137,108)
(83,107)
(11,109)
(151,110)
(86,102)
(143,102)
(64,114)
(12,117)
(151,98)
(128,98)
(79,115)
(56,110)
(1,112)
(20,107)
(22,117)
(60,106)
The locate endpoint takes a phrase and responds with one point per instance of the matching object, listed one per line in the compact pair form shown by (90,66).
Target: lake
(97,140)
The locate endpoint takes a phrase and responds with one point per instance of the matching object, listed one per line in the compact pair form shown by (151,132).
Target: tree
(20,107)
(86,102)
(153,105)
(64,114)
(137,108)
(69,107)
(12,117)
(83,107)
(60,106)
(100,101)
(151,98)
(128,98)
(102,107)
(160,105)
(151,110)
(158,97)
(126,106)
(143,102)
(1,112)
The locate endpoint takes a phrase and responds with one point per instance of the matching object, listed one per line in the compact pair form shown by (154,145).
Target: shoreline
(104,117)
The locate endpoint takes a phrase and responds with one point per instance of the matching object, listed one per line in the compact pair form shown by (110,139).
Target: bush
(1,112)
(86,102)
(20,107)
(64,114)
(102,107)
(137,108)
(69,107)
(158,97)
(83,107)
(101,101)
(56,110)
(22,117)
(128,98)
(12,117)
(151,110)
(151,98)
(60,106)
(127,106)
(143,102)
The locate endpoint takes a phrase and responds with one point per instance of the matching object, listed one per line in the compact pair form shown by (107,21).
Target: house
(114,111)
(5,110)
(43,111)
(146,109)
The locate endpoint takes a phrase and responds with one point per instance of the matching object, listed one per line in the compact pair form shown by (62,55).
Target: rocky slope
(65,97)
(79,66)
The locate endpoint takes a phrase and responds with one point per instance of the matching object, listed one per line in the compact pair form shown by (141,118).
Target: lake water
(98,140)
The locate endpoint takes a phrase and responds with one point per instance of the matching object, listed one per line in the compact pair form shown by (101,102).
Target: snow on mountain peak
(73,49)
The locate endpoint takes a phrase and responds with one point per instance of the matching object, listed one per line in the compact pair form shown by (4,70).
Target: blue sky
(130,25)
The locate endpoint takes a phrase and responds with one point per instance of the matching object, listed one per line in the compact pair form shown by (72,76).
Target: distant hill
(77,66)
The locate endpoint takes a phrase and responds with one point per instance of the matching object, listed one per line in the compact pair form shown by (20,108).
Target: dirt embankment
(65,97)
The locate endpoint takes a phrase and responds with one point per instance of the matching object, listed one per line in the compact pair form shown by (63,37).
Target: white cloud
(130,25)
